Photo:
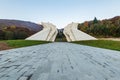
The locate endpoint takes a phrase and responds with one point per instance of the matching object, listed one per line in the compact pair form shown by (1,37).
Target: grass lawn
(108,44)
(22,43)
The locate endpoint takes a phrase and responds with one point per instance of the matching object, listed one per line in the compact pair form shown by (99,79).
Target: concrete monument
(73,34)
(48,33)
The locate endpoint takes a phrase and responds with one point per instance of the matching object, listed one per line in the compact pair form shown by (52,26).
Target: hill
(17,29)
(102,28)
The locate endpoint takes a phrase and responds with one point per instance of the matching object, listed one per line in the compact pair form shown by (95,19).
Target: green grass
(22,43)
(108,44)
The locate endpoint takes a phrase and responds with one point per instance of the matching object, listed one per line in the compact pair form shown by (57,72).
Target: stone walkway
(59,61)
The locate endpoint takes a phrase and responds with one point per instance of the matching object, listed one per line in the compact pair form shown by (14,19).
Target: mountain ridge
(20,23)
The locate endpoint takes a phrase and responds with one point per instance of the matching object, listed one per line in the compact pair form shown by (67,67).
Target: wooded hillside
(102,28)
(16,29)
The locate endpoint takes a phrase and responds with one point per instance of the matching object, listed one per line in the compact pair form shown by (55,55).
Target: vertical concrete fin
(73,34)
(48,33)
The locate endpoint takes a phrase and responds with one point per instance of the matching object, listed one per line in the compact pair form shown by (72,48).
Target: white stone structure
(48,33)
(73,34)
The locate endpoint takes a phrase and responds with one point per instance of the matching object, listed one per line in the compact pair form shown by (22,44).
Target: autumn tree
(104,28)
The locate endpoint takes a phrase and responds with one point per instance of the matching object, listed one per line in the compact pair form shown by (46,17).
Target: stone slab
(59,61)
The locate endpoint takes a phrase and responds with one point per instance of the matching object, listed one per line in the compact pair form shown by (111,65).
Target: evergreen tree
(95,20)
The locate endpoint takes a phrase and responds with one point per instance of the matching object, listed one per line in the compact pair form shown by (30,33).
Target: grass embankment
(108,44)
(20,43)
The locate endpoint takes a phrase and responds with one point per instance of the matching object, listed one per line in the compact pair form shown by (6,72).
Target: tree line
(102,28)
(12,32)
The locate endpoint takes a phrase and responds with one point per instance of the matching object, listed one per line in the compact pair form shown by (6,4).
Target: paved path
(59,61)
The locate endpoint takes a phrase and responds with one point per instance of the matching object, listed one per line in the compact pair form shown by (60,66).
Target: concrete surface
(73,34)
(48,33)
(59,61)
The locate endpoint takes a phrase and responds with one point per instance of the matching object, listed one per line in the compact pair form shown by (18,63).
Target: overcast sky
(58,12)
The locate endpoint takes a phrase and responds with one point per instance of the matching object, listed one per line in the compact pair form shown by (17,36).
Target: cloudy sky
(58,12)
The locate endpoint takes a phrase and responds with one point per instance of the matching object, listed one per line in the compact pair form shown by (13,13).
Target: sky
(59,12)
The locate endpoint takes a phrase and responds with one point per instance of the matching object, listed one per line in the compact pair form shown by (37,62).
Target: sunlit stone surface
(59,61)
(48,33)
(73,34)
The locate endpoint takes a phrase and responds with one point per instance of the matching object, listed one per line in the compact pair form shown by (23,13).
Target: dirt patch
(4,46)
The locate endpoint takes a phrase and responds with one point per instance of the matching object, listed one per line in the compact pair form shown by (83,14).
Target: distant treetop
(95,20)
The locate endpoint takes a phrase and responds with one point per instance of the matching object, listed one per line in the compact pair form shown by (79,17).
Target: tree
(86,23)
(13,27)
(95,20)
(2,35)
(22,35)
(9,35)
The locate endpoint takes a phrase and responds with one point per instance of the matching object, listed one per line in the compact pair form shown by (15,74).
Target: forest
(13,33)
(106,28)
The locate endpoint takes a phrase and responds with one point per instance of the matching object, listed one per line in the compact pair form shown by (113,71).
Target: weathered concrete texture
(48,33)
(59,61)
(73,34)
